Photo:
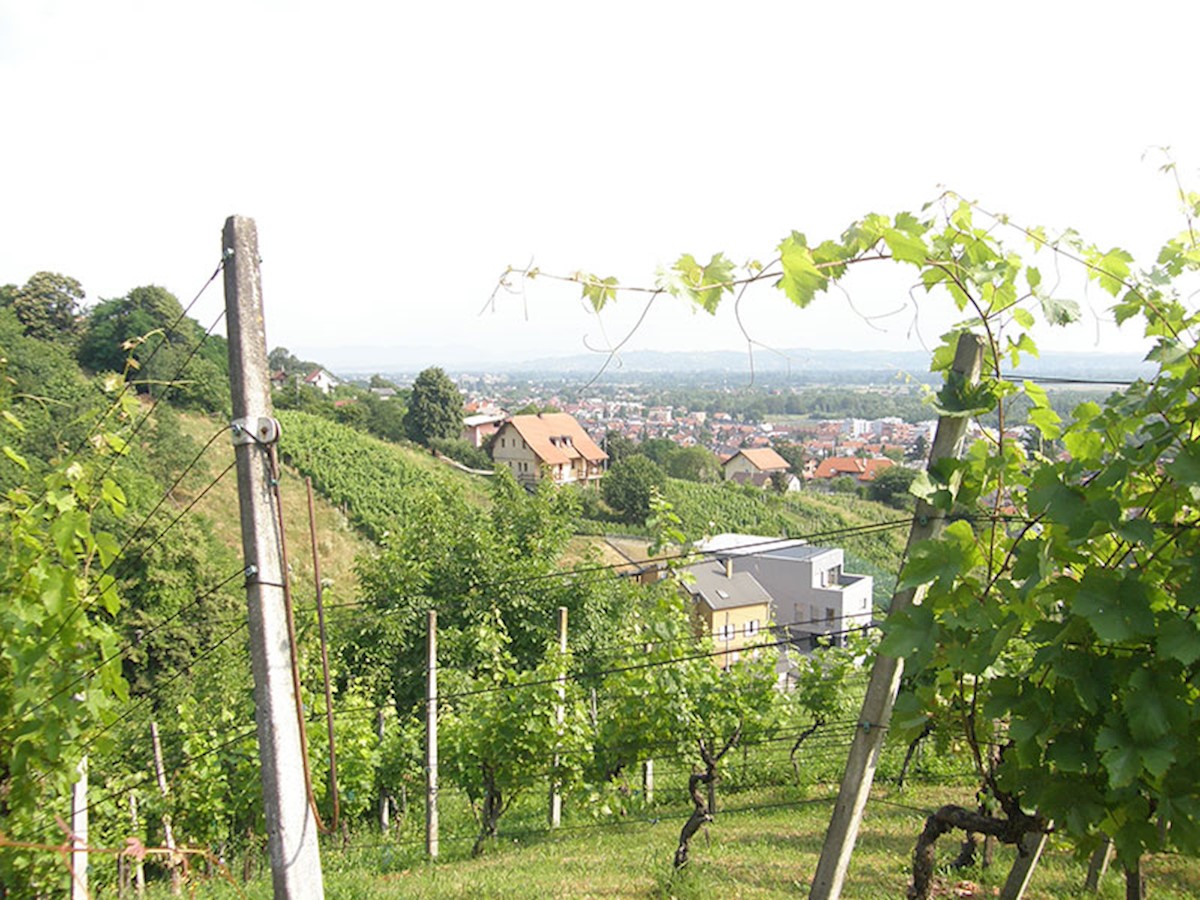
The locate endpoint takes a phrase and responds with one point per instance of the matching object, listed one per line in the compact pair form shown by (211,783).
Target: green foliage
(434,408)
(694,464)
(164,349)
(627,486)
(463,451)
(502,731)
(376,483)
(617,446)
(891,486)
(59,677)
(703,285)
(47,306)
(666,692)
(468,563)
(1058,620)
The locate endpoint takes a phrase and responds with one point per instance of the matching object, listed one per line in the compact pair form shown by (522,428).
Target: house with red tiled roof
(853,466)
(756,461)
(321,380)
(548,445)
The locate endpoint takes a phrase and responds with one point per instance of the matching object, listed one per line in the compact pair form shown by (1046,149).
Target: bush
(463,451)
(628,485)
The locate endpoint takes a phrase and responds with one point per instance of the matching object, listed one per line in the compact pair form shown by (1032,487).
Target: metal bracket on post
(263,430)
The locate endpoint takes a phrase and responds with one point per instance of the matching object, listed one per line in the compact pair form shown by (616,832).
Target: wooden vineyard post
(291,823)
(431,741)
(1029,851)
(139,871)
(385,802)
(886,671)
(1098,866)
(555,792)
(160,775)
(79,832)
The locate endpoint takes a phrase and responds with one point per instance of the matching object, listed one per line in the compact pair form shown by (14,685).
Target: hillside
(338,543)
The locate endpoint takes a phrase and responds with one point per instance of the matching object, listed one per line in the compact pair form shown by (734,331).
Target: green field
(764,844)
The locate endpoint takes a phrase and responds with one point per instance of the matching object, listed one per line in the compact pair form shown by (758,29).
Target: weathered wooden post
(291,824)
(160,775)
(431,741)
(559,714)
(79,832)
(885,673)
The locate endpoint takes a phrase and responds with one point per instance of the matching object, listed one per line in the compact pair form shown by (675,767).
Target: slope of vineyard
(338,543)
(373,481)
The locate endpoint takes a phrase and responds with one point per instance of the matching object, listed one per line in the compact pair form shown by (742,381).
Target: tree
(165,350)
(658,449)
(617,446)
(793,453)
(891,486)
(694,464)
(503,734)
(920,449)
(629,485)
(47,305)
(434,408)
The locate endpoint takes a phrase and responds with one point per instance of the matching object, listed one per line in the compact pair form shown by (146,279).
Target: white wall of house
(739,463)
(510,450)
(814,595)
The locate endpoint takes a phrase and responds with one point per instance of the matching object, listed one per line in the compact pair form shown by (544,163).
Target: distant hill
(802,364)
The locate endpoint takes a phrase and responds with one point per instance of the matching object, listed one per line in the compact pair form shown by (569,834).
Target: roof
(719,591)
(762,458)
(557,438)
(862,469)
(481,419)
(730,544)
(316,374)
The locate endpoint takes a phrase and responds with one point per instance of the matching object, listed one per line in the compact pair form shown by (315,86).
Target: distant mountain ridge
(801,363)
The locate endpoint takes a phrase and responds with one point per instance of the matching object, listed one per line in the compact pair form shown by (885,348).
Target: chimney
(729,567)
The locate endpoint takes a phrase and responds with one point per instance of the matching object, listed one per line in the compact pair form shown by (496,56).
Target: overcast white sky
(397,156)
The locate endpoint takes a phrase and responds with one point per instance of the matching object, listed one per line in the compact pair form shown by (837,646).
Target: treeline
(754,404)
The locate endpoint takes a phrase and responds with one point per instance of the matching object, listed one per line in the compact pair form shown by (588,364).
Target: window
(502,442)
(830,615)
(751,628)
(727,632)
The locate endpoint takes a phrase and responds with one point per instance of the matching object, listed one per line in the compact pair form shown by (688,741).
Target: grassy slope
(338,544)
(764,853)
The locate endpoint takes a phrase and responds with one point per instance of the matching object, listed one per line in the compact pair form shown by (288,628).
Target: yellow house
(730,606)
(748,463)
(548,445)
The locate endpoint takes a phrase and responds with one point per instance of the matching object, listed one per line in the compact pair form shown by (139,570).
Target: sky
(397,157)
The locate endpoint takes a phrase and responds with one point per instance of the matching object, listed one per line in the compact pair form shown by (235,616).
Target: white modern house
(812,596)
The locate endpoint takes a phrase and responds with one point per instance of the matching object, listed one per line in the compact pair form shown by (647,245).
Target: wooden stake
(160,774)
(79,832)
(1098,866)
(431,741)
(1029,851)
(384,799)
(885,673)
(559,714)
(291,826)
(139,869)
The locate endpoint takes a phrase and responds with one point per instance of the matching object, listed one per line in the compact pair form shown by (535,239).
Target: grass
(769,850)
(338,544)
